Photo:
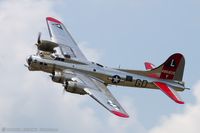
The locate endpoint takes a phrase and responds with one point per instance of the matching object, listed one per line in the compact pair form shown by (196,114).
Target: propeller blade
(39,36)
(26,65)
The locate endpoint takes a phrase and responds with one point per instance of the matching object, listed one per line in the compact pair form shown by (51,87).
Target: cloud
(90,53)
(31,99)
(185,122)
(19,21)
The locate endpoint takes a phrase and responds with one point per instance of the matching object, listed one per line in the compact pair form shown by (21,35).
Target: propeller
(38,41)
(64,85)
(26,65)
(39,36)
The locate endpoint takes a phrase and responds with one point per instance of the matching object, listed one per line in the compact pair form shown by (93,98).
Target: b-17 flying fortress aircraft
(62,58)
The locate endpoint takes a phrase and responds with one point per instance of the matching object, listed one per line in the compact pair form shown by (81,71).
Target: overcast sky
(115,33)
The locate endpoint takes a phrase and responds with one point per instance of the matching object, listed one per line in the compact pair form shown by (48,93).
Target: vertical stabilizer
(172,68)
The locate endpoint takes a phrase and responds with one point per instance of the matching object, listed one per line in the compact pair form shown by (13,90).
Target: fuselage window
(129,78)
(42,63)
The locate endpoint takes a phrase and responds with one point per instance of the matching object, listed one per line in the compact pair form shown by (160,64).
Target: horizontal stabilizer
(149,66)
(170,92)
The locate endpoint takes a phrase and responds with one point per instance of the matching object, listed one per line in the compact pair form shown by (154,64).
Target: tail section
(172,68)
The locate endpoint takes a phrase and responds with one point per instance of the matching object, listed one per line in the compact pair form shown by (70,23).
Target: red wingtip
(53,20)
(180,102)
(120,114)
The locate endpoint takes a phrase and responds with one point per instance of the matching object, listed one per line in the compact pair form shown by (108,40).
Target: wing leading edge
(99,92)
(60,35)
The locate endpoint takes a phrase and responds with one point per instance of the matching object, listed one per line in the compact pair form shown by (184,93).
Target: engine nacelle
(60,77)
(45,45)
(74,87)
(57,77)
(70,86)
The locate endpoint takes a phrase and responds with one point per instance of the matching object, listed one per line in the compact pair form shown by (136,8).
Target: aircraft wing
(99,92)
(60,35)
(169,91)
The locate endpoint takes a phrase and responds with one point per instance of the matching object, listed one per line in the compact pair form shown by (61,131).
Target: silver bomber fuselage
(105,74)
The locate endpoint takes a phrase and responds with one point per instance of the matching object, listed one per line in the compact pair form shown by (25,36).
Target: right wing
(60,35)
(99,92)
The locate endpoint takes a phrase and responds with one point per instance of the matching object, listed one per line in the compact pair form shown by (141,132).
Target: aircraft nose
(29,60)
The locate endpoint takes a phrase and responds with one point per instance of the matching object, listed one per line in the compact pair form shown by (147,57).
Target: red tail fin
(172,68)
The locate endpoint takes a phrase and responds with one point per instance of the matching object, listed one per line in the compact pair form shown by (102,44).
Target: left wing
(60,35)
(99,92)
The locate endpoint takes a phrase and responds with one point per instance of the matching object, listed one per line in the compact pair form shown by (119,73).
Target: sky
(115,33)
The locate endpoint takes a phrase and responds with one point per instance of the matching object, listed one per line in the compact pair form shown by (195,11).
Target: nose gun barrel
(29,60)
